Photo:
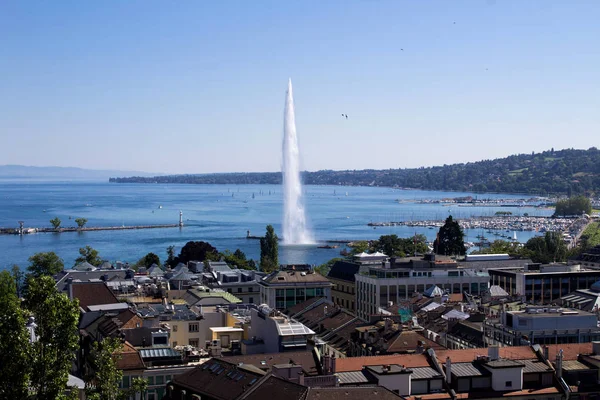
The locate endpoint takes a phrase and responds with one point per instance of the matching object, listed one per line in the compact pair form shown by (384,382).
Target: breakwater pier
(25,231)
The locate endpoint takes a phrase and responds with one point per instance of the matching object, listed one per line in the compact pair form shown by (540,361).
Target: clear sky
(199,86)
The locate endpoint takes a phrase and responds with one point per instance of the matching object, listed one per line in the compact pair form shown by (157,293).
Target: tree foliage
(15,366)
(393,246)
(573,206)
(546,249)
(197,251)
(45,264)
(501,247)
(170,262)
(148,260)
(269,251)
(102,382)
(81,222)
(450,239)
(52,354)
(55,222)
(90,255)
(238,259)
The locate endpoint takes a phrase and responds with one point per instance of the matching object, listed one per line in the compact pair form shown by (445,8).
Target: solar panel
(239,377)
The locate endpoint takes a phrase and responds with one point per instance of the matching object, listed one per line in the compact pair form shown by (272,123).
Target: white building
(382,286)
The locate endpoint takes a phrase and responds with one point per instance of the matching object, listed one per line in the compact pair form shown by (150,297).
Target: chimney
(493,353)
(448,370)
(546,352)
(326,364)
(333,364)
(596,348)
(559,363)
(301,378)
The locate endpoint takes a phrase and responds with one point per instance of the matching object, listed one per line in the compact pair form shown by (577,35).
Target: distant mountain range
(29,172)
(550,172)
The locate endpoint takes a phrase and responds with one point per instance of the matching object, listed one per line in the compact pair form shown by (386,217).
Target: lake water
(219,214)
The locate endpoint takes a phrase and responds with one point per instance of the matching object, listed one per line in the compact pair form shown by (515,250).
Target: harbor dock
(25,231)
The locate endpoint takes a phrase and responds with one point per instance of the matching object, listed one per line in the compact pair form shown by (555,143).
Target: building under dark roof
(344,270)
(91,294)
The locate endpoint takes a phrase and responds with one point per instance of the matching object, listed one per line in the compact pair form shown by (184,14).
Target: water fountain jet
(295,231)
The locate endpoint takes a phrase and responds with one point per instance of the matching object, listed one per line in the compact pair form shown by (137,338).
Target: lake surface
(219,214)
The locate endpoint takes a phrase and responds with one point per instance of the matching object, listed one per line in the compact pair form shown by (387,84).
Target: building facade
(293,285)
(381,287)
(543,284)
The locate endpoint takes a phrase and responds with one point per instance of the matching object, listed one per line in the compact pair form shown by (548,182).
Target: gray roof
(467,369)
(433,291)
(503,363)
(84,266)
(424,373)
(75,382)
(532,366)
(354,377)
(497,291)
(574,365)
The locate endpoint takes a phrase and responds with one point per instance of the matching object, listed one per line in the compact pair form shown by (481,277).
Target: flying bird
(345,115)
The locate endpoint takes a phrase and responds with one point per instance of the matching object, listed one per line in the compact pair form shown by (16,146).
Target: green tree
(450,239)
(19,278)
(55,223)
(170,262)
(390,245)
(148,260)
(501,247)
(269,251)
(41,264)
(103,379)
(53,353)
(81,222)
(573,206)
(546,249)
(358,247)
(197,251)
(238,259)
(323,269)
(139,386)
(15,366)
(90,255)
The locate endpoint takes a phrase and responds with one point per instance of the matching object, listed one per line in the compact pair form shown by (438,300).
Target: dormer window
(508,384)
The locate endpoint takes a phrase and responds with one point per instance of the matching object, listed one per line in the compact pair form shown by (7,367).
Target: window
(160,380)
(174,344)
(125,382)
(251,300)
(194,327)
(508,383)
(250,290)
(174,328)
(193,343)
(151,396)
(150,380)
(239,290)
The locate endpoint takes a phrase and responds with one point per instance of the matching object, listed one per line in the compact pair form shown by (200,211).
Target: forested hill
(550,172)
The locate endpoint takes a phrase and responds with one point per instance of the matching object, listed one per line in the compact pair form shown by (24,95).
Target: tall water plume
(295,230)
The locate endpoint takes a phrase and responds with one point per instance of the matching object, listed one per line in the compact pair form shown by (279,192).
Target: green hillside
(551,172)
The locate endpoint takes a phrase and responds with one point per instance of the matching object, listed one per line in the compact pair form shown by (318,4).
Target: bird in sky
(345,115)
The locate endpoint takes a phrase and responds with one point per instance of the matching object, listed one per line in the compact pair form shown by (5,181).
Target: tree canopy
(15,362)
(573,206)
(269,250)
(238,259)
(81,222)
(393,246)
(450,239)
(148,260)
(41,264)
(53,352)
(55,222)
(197,251)
(90,255)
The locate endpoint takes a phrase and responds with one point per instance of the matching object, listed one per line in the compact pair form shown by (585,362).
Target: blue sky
(199,86)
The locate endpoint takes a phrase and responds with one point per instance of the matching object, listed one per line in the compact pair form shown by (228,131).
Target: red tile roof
(129,358)
(570,351)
